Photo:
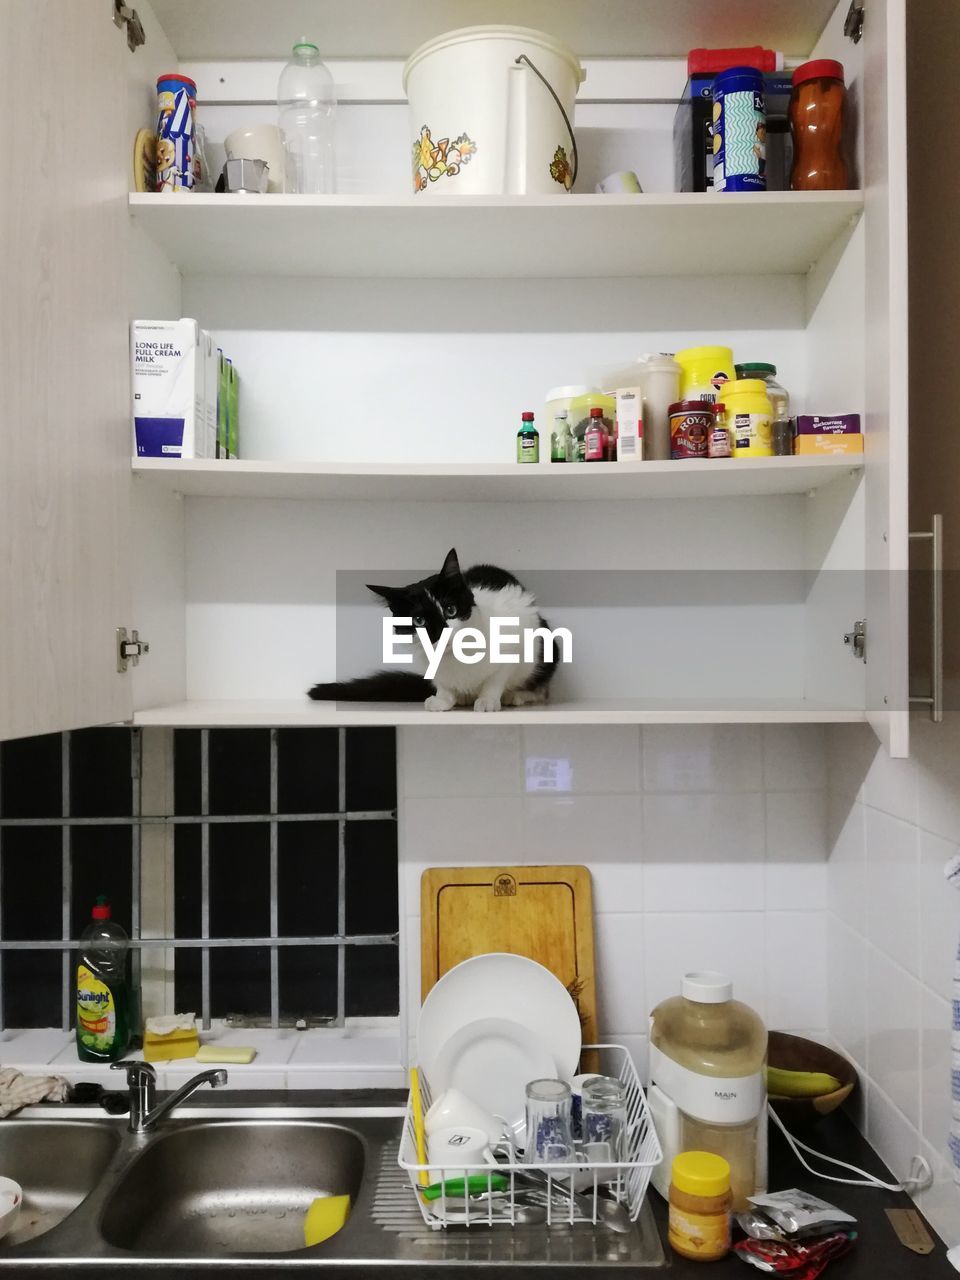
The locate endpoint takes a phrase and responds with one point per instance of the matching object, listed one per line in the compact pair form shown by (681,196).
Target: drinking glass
(604,1120)
(549,1139)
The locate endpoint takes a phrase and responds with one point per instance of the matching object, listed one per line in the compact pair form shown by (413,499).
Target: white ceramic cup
(455,1108)
(260,142)
(11,1198)
(459,1145)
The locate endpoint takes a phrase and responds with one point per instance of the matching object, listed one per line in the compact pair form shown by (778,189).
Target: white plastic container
(491,113)
(660,380)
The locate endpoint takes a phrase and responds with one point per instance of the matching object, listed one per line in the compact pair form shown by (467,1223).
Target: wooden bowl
(795,1053)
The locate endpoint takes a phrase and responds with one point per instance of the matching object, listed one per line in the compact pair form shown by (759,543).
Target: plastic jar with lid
(704,371)
(818,105)
(700,1206)
(749,417)
(779,396)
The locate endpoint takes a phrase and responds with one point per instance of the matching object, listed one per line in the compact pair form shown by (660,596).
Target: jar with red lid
(691,422)
(817,111)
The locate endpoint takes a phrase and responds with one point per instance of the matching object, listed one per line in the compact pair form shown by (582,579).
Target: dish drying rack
(626,1181)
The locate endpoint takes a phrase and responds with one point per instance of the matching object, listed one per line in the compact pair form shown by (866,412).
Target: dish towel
(952,872)
(18,1090)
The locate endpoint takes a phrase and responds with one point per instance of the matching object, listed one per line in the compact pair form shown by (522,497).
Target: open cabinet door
(64,411)
(886,430)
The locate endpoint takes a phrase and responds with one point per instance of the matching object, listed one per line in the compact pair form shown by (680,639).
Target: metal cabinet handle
(935,537)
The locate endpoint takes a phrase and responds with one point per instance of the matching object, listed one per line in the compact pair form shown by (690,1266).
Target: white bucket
(491,113)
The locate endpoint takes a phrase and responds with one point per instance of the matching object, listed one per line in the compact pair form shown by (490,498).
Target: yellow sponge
(232,1053)
(324,1218)
(166,1039)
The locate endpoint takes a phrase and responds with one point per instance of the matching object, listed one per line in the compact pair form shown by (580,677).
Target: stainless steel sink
(225,1184)
(58,1164)
(228,1187)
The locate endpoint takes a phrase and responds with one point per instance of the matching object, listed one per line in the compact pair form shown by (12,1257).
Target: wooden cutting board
(545,913)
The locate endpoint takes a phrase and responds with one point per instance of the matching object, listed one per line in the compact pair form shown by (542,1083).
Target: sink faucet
(145,1113)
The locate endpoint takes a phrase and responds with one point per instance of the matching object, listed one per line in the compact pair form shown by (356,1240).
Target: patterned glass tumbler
(549,1139)
(604,1120)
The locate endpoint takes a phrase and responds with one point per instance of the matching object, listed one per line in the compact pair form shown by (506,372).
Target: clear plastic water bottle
(307,103)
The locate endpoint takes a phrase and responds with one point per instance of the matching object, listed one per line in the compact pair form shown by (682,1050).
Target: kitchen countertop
(878,1254)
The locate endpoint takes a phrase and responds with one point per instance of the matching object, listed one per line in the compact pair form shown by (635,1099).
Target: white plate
(507,988)
(491,1061)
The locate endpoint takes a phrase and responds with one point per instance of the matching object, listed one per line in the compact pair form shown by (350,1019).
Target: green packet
(476,1185)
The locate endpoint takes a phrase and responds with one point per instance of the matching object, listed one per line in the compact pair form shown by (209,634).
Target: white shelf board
(535,237)
(302,712)
(493,482)
(219,29)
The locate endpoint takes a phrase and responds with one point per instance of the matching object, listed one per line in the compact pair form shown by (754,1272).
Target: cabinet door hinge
(130,649)
(129,18)
(856,639)
(853,23)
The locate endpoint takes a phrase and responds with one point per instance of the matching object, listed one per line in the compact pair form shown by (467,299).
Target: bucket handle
(560,107)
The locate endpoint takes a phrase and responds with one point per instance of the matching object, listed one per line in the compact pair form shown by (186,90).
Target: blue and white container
(739,131)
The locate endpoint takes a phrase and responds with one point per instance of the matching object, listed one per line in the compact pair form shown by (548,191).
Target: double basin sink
(227,1184)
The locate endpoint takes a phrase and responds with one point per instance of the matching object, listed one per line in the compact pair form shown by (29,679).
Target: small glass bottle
(782,434)
(561,440)
(718,440)
(528,440)
(700,1206)
(595,437)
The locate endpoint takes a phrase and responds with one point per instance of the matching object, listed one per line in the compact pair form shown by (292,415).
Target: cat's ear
(390,594)
(451,566)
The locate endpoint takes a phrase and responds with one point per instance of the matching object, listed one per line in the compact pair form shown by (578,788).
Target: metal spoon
(609,1213)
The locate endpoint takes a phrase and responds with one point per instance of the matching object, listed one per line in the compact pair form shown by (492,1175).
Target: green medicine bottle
(103,991)
(528,440)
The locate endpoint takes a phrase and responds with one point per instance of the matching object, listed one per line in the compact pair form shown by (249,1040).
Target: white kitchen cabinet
(387,347)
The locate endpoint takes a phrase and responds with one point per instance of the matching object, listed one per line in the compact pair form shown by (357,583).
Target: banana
(800,1084)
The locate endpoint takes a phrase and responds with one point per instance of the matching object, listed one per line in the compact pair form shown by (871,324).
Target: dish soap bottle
(103,992)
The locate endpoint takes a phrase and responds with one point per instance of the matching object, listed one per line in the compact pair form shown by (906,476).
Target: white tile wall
(707,846)
(892,934)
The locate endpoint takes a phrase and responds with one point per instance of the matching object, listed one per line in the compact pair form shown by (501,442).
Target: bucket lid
(464,35)
(570,392)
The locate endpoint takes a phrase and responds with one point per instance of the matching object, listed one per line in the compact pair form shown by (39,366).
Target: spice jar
(817,108)
(718,445)
(700,1206)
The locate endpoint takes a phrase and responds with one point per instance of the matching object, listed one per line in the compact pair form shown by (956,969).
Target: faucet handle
(137,1072)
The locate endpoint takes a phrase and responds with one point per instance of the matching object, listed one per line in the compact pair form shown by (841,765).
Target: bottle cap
(755,369)
(700,1173)
(102,910)
(596,412)
(526,417)
(307,45)
(819,69)
(707,987)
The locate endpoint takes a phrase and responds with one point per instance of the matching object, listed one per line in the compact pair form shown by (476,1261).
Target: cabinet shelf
(526,237)
(493,482)
(304,713)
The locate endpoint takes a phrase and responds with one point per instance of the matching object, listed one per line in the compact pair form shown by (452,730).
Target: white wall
(892,928)
(706,846)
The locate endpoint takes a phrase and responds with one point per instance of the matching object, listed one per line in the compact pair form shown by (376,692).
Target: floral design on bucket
(431,160)
(560,170)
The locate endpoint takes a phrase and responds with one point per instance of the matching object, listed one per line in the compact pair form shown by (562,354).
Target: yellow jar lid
(745,387)
(699,1173)
(691,354)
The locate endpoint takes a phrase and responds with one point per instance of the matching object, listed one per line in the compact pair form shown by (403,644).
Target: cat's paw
(437,702)
(487,703)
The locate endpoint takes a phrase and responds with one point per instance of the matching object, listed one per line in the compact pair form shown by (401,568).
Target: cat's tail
(382,686)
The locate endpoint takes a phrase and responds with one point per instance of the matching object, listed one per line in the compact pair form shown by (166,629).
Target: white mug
(458,1146)
(455,1108)
(260,142)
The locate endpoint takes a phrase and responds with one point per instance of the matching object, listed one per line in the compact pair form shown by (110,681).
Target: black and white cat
(455,599)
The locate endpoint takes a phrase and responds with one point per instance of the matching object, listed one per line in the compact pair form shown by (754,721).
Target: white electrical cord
(921,1175)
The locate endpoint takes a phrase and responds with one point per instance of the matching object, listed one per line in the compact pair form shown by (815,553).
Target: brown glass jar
(817,110)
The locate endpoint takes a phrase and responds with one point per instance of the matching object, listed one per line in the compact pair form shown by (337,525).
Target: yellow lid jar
(749,418)
(700,1206)
(705,372)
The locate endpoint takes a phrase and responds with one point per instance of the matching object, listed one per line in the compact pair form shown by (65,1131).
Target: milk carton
(168,375)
